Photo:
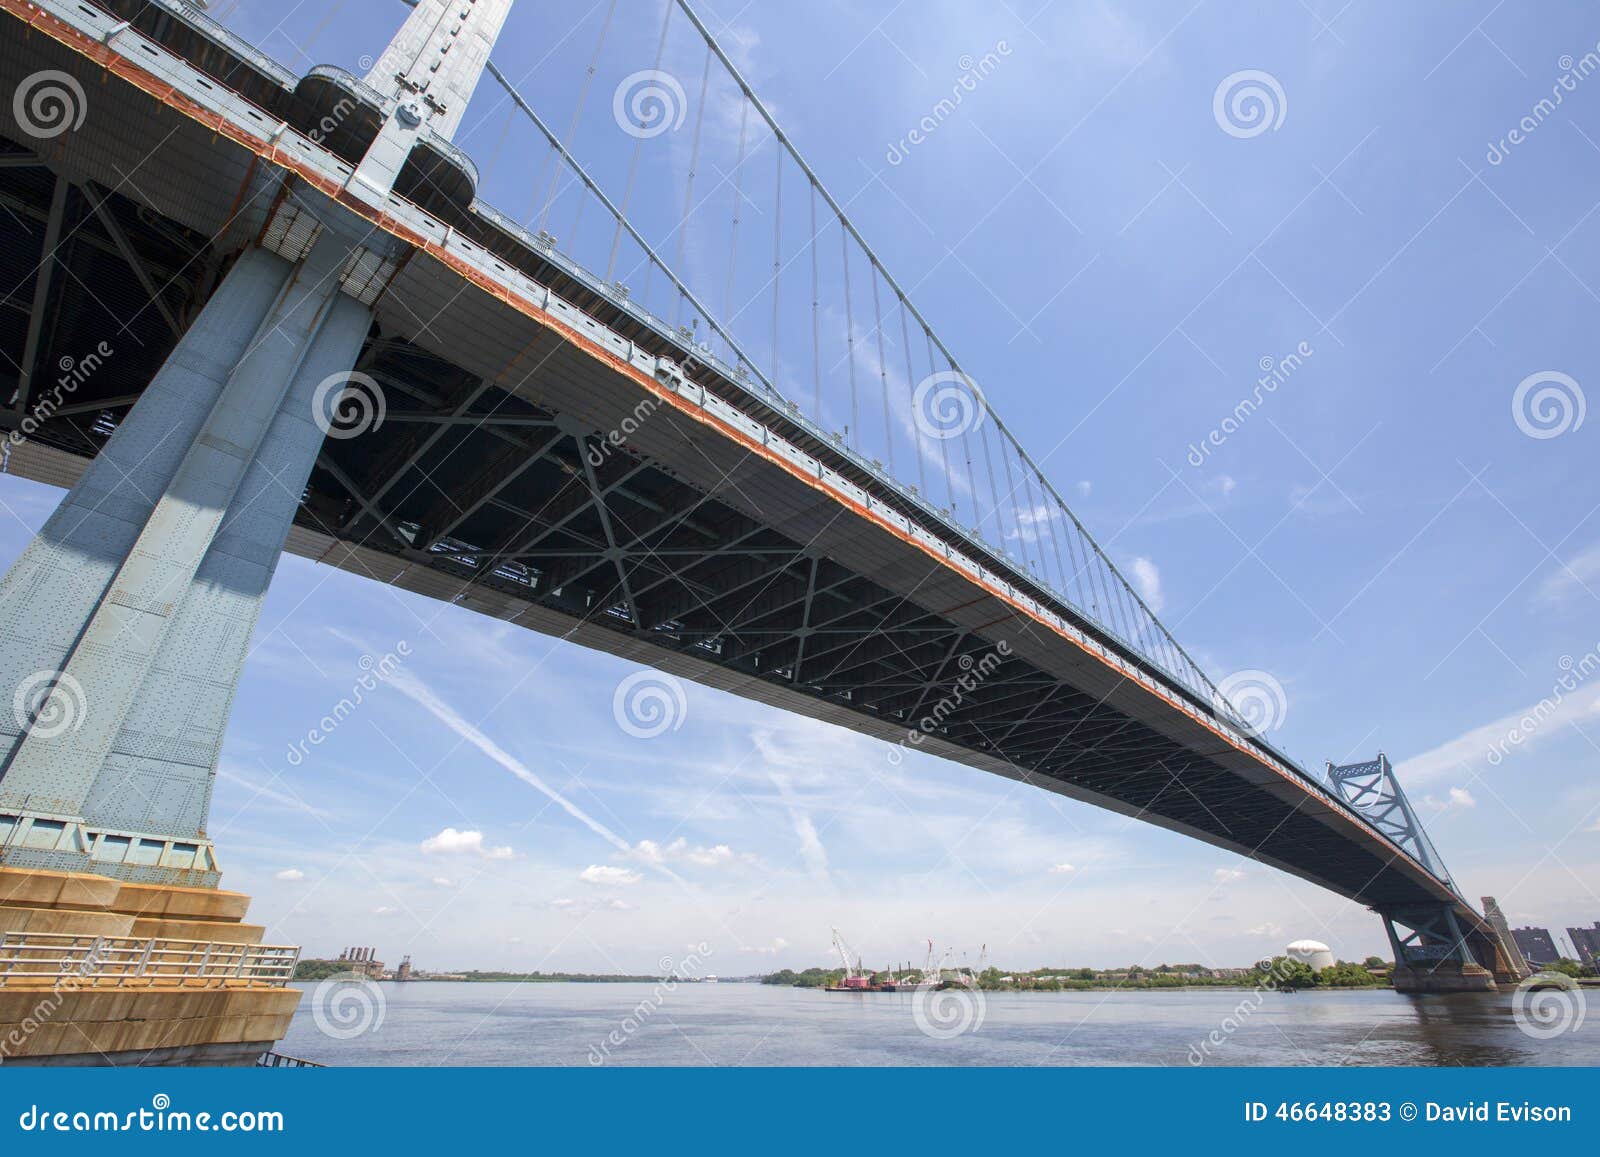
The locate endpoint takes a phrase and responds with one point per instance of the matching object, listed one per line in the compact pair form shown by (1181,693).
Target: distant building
(1497,918)
(1537,946)
(1313,953)
(1587,943)
(362,962)
(404,971)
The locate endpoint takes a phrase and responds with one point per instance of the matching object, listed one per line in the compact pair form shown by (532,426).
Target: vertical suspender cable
(919,418)
(883,372)
(994,491)
(688,184)
(738,196)
(638,145)
(853,435)
(577,114)
(911,401)
(816,329)
(777,252)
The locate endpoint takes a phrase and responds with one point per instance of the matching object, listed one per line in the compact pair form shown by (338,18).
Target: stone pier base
(1446,976)
(94,1019)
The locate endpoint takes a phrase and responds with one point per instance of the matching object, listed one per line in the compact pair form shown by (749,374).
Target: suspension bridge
(672,407)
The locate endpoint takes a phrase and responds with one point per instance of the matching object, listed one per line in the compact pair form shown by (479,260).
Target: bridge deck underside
(492,474)
(496,492)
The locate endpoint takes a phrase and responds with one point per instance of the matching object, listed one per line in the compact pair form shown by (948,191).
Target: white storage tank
(1314,953)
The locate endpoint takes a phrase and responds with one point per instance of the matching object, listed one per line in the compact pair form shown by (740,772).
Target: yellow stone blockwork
(77,1018)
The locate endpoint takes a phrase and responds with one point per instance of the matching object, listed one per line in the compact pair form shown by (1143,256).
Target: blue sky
(1383,537)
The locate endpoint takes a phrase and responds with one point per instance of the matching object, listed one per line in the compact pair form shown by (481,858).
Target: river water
(446,1023)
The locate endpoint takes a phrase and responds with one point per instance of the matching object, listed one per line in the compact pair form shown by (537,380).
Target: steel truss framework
(499,493)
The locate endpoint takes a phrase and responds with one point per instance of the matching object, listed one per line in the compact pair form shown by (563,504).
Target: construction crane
(854,977)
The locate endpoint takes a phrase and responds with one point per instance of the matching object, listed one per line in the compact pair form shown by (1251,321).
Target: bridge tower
(1432,952)
(125,623)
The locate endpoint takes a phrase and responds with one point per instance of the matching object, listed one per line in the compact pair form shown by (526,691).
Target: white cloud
(1227,484)
(408,684)
(1227,875)
(451,842)
(1268,929)
(1461,797)
(290,874)
(1503,739)
(1062,869)
(263,791)
(1579,575)
(811,849)
(1085,488)
(444,882)
(778,945)
(385,911)
(1147,577)
(719,855)
(608,875)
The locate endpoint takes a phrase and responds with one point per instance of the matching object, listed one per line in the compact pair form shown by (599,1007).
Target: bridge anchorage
(289,248)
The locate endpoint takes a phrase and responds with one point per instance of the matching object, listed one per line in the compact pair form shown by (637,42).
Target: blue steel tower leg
(124,625)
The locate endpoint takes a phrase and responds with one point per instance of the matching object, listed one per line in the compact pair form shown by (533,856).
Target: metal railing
(97,961)
(270,1060)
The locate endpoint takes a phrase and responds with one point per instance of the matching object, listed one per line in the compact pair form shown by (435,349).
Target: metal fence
(99,961)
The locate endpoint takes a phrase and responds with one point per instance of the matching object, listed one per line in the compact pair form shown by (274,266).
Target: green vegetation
(1292,975)
(1278,973)
(319,969)
(1569,967)
(810,978)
